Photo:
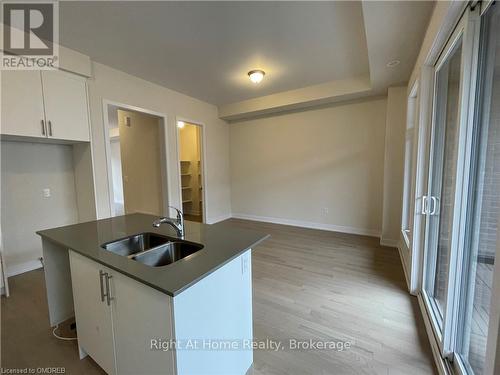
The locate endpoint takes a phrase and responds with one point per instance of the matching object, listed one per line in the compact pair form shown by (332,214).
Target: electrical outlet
(324,211)
(46,193)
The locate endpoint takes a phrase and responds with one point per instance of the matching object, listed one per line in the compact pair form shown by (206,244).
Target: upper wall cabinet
(65,100)
(22,104)
(48,104)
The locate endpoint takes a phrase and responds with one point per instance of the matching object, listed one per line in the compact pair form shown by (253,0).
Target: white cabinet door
(22,103)
(140,314)
(66,112)
(93,316)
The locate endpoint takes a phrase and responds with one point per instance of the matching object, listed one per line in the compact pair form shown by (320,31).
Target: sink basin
(167,254)
(135,244)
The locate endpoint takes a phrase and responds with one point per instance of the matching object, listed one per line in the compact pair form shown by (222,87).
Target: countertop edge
(156,287)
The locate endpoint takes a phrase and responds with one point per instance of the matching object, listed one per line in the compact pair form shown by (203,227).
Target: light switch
(46,193)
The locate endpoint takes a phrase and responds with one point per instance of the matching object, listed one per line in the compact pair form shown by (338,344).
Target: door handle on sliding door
(432,210)
(434,201)
(424,205)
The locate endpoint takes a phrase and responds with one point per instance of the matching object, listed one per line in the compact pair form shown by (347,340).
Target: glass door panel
(484,207)
(442,179)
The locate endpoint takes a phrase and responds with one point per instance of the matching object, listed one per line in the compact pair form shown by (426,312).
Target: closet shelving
(191,186)
(186,183)
(200,187)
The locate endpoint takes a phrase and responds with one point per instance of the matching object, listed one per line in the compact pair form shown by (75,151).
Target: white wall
(114,85)
(27,169)
(290,168)
(395,132)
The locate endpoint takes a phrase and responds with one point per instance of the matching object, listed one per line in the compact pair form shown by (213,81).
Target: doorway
(191,170)
(136,162)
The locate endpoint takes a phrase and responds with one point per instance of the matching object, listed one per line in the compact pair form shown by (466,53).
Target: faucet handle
(179,212)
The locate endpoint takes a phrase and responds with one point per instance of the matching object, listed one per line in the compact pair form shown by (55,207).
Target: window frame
(410,159)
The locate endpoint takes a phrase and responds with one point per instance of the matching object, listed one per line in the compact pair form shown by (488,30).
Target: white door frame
(3,268)
(203,161)
(165,162)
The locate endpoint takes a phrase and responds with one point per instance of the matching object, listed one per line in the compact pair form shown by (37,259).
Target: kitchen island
(188,316)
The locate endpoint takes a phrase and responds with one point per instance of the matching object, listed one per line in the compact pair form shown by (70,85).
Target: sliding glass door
(442,180)
(442,204)
(484,206)
(462,204)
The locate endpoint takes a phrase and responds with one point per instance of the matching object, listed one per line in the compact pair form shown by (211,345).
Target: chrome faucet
(177,223)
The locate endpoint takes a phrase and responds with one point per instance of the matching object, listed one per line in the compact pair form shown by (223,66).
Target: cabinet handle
(43,126)
(101,274)
(50,128)
(108,291)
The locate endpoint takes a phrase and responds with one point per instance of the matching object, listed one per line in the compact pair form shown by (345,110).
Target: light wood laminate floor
(307,284)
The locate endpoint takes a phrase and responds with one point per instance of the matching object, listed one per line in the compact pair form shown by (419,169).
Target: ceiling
(205,49)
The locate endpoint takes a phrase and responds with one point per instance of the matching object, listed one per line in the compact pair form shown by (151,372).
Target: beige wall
(114,85)
(321,168)
(394,165)
(141,163)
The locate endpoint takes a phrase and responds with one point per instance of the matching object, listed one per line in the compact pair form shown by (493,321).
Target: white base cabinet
(93,315)
(140,314)
(118,334)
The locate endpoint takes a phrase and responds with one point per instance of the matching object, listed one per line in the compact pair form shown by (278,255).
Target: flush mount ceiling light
(256,75)
(180,124)
(393,63)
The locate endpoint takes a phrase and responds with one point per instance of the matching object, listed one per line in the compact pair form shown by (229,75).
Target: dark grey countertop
(221,242)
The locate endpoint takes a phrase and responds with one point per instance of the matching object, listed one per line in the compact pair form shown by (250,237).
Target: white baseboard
(309,224)
(404,263)
(441,365)
(389,242)
(16,269)
(216,219)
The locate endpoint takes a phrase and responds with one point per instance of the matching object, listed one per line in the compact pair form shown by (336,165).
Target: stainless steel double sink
(152,249)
